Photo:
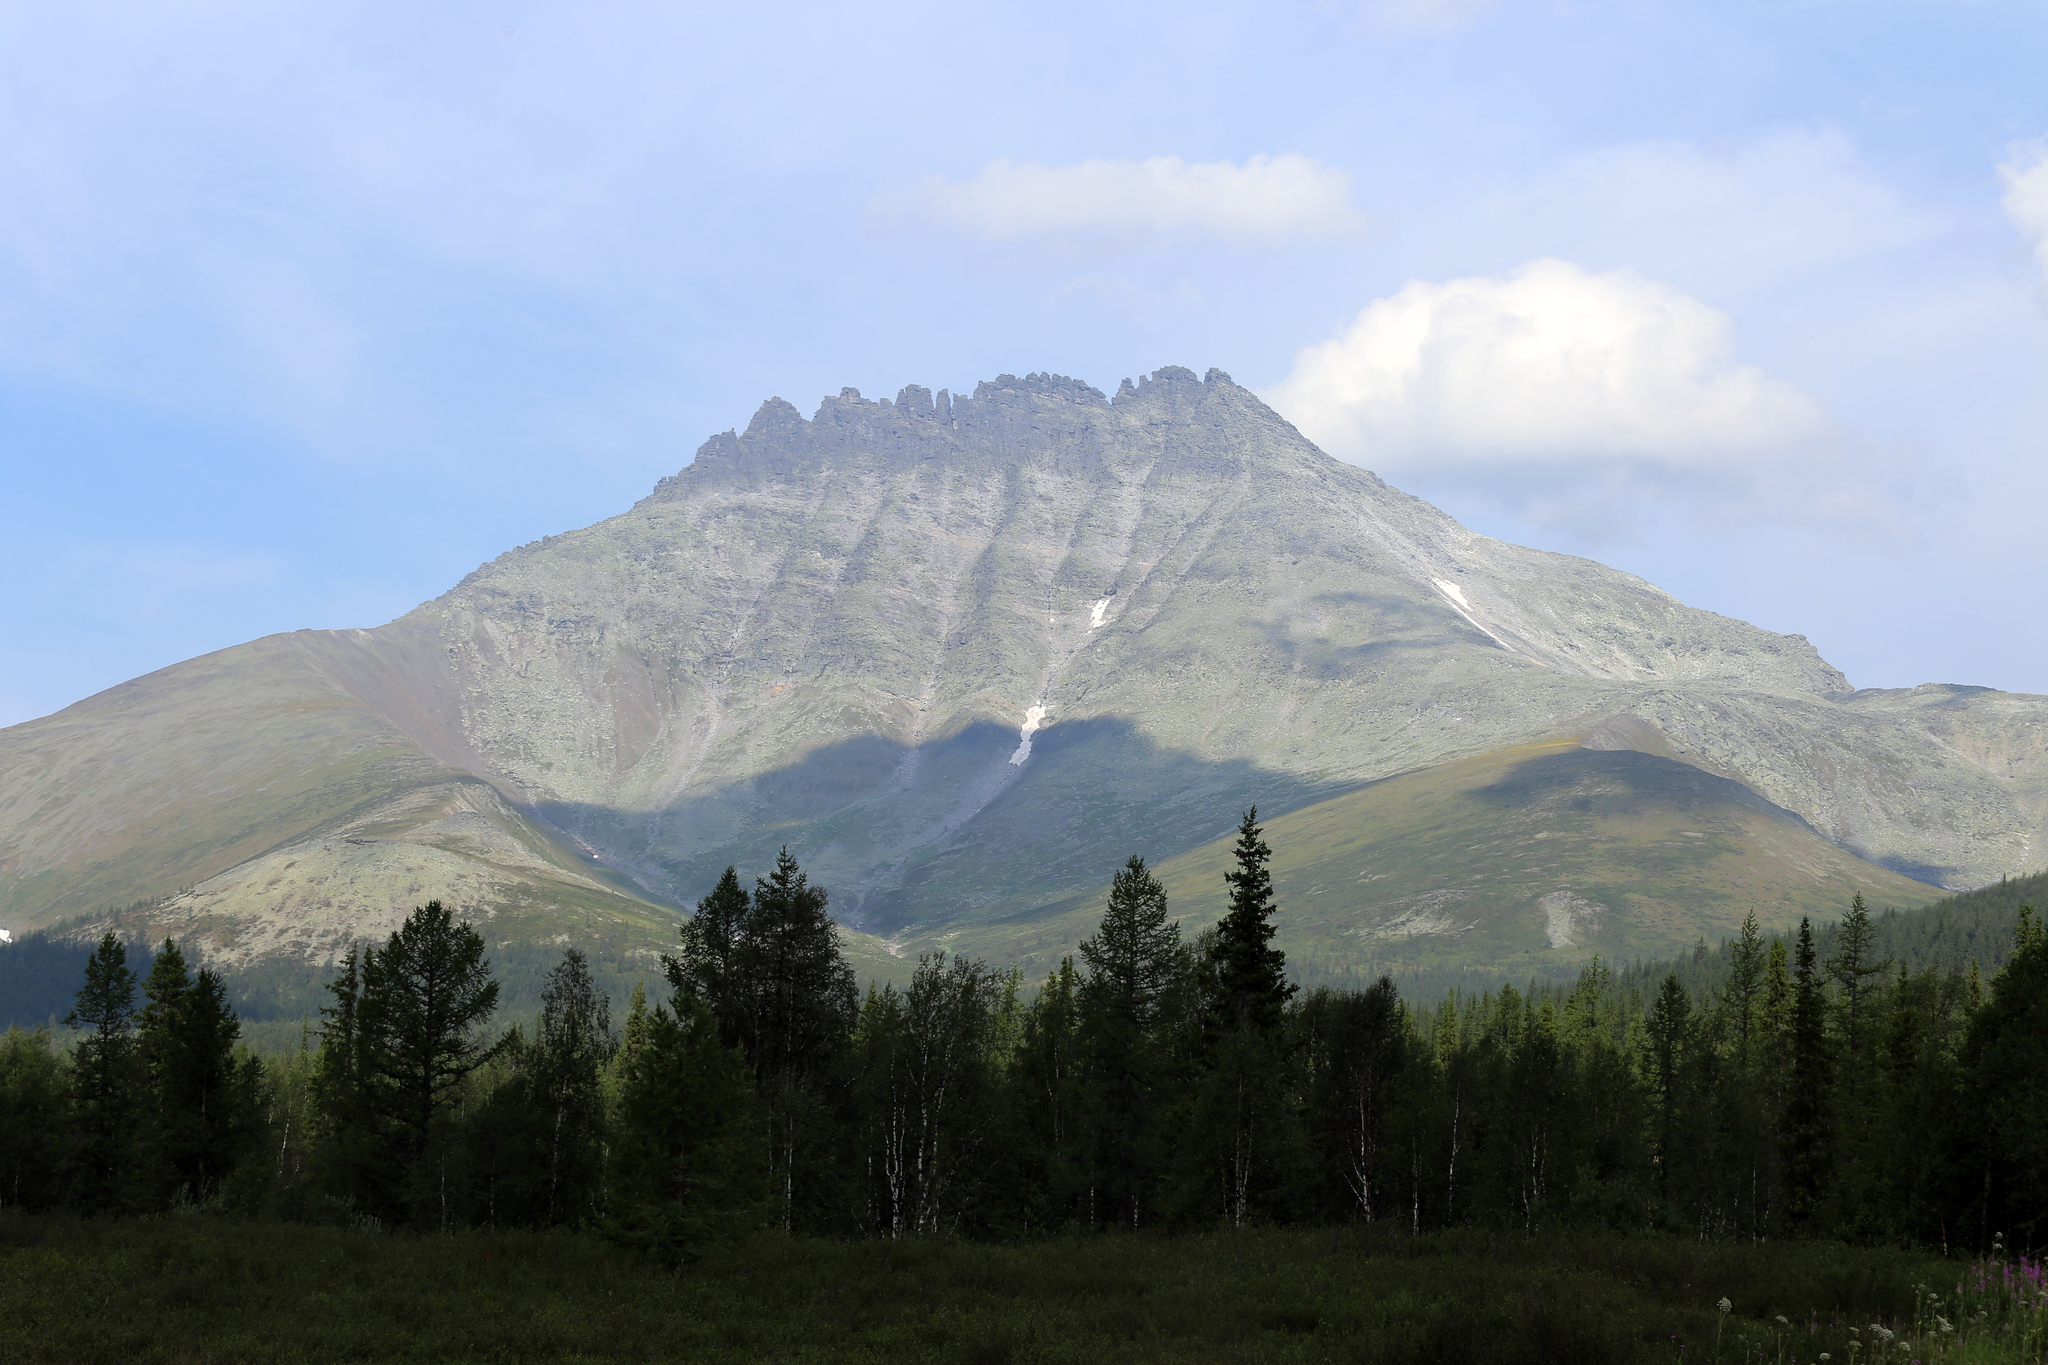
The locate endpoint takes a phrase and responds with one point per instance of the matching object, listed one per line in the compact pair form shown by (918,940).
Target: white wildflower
(1724,1305)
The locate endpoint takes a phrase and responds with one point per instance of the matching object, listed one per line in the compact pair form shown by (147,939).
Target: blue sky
(306,310)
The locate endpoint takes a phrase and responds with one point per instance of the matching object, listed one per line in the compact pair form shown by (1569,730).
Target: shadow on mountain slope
(938,837)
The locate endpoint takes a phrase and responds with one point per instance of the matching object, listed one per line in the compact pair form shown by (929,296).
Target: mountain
(963,655)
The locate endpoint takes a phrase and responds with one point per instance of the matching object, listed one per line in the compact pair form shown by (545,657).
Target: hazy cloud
(2026,198)
(1572,395)
(1267,200)
(1722,219)
(1441,16)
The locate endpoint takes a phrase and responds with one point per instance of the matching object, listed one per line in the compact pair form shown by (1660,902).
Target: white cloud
(1574,395)
(1267,200)
(2026,197)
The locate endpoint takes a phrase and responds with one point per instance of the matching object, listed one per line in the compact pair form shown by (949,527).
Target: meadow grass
(198,1289)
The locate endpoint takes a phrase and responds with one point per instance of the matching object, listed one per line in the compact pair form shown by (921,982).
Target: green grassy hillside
(1522,862)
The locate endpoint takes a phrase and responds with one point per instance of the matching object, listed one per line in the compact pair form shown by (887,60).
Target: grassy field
(203,1290)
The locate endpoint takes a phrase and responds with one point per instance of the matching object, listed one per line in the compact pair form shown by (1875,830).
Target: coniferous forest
(1786,1102)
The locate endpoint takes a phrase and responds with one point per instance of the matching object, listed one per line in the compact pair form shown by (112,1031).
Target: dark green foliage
(406,1034)
(568,1060)
(106,1082)
(713,966)
(34,1120)
(1806,1123)
(686,1167)
(1136,969)
(1807,1092)
(192,1290)
(1250,987)
(2004,1118)
(1355,1053)
(927,1072)
(202,1103)
(773,976)
(1049,1136)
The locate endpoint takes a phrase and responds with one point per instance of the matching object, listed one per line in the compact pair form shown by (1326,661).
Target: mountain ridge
(964,654)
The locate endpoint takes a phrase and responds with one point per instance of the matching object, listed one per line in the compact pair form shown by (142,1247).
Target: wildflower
(1724,1305)
(1943,1323)
(1781,1318)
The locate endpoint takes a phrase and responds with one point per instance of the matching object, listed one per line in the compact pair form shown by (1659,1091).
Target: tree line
(1153,1081)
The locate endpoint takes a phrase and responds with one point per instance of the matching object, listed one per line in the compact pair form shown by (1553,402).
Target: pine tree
(714,962)
(1048,1076)
(806,995)
(1134,959)
(106,1080)
(632,1038)
(1356,1049)
(1251,989)
(1808,1156)
(2003,1138)
(206,1101)
(1747,958)
(425,997)
(1853,963)
(773,976)
(34,1121)
(350,1132)
(686,1165)
(1669,1029)
(571,1048)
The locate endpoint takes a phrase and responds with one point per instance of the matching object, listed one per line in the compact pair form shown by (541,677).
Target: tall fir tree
(203,1102)
(1251,989)
(1853,965)
(107,1082)
(773,976)
(1806,1114)
(425,999)
(1134,960)
(686,1163)
(1669,1031)
(713,964)
(35,1127)
(571,1049)
(2003,1137)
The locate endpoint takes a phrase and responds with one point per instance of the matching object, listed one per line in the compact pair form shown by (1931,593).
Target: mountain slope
(964,654)
(1527,860)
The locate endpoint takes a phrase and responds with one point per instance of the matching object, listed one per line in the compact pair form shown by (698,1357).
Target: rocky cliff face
(965,654)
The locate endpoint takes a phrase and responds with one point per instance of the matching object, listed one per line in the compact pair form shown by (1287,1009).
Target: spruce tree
(713,963)
(1250,988)
(1807,1148)
(425,998)
(571,1048)
(1134,959)
(772,975)
(35,1132)
(1048,1076)
(204,1100)
(1853,963)
(686,1164)
(1745,983)
(106,1081)
(1669,1030)
(805,996)
(633,1037)
(2003,1124)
